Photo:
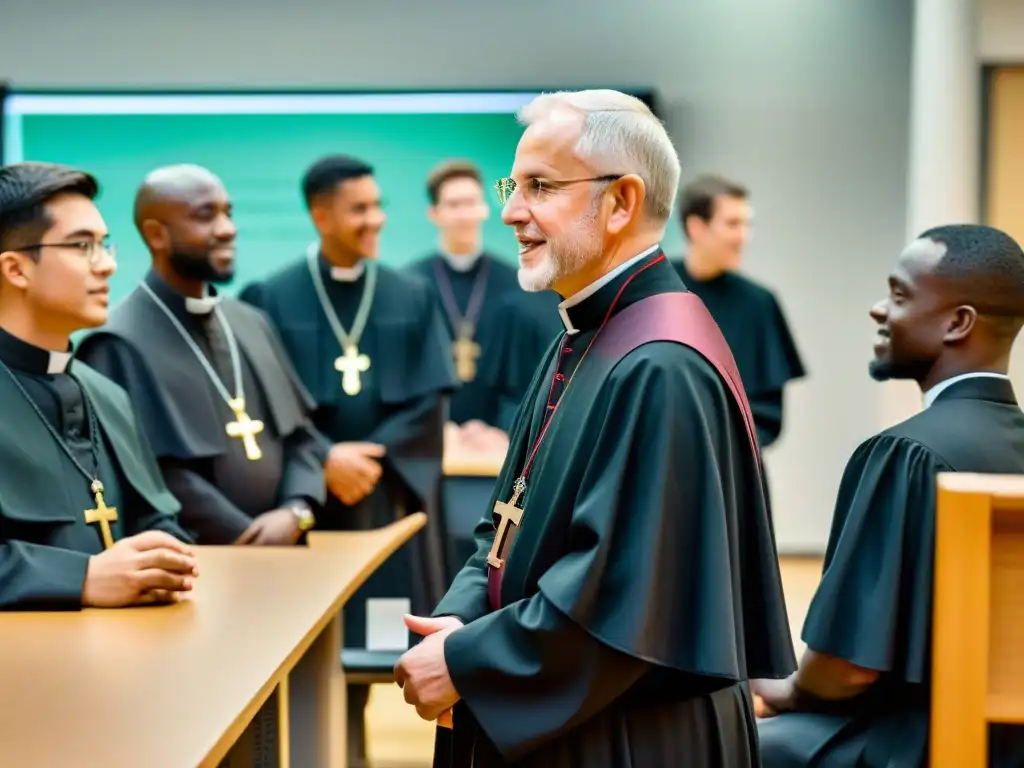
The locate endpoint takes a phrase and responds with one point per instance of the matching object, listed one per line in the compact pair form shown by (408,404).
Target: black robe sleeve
(533,647)
(37,577)
(779,364)
(873,605)
(303,468)
(205,511)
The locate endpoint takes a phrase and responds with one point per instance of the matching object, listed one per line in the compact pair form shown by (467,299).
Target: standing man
(469,285)
(861,695)
(715,215)
(370,345)
(627,584)
(85,519)
(227,418)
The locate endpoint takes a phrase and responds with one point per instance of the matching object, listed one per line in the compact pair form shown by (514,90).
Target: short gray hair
(620,135)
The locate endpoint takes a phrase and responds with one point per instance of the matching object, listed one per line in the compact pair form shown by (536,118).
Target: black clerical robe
(474,295)
(642,587)
(45,543)
(530,324)
(185,417)
(873,606)
(752,322)
(401,405)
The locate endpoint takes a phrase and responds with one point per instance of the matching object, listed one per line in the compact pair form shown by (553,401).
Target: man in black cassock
(227,417)
(627,584)
(469,285)
(861,694)
(715,215)
(85,519)
(369,343)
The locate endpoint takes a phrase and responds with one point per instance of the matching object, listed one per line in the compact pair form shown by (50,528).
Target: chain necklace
(465,351)
(101,513)
(351,363)
(242,428)
(508,513)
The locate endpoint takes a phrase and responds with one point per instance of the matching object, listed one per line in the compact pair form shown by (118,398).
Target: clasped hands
(422,672)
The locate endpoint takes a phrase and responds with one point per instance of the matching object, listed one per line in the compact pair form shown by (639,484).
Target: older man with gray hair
(626,584)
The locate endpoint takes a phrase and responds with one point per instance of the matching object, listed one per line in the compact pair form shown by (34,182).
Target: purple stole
(678,317)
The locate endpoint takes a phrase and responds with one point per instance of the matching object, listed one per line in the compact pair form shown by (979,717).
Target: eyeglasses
(90,249)
(507,186)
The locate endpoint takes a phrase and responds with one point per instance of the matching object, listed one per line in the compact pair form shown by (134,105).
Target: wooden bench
(978,634)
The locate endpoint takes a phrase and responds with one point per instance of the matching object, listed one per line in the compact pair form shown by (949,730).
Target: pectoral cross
(350,365)
(465,351)
(245,429)
(102,514)
(508,515)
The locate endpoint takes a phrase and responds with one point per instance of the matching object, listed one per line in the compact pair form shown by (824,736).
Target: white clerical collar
(58,362)
(942,386)
(597,285)
(461,263)
(203,305)
(339,274)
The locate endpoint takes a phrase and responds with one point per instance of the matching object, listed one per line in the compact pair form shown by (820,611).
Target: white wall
(806,101)
(1001,32)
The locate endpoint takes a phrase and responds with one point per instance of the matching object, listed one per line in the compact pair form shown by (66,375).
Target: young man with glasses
(85,518)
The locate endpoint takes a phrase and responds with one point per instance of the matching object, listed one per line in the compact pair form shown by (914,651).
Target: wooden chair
(978,619)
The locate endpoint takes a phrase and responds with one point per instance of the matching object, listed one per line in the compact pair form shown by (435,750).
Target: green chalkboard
(260,144)
(261,159)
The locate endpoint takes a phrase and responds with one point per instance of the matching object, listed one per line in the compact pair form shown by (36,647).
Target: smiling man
(228,419)
(626,585)
(370,344)
(861,693)
(85,519)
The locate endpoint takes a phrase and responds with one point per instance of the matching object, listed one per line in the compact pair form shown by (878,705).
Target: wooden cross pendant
(350,365)
(102,514)
(245,429)
(466,352)
(508,515)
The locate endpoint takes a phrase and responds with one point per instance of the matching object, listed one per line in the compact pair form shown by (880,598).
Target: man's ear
(155,235)
(12,269)
(961,324)
(627,201)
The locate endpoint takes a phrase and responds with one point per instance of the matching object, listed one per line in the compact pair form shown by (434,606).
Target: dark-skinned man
(861,695)
(369,343)
(228,419)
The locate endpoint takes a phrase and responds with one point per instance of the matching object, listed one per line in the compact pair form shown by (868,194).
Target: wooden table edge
(400,532)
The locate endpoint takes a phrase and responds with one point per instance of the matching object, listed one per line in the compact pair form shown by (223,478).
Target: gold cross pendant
(466,352)
(245,429)
(102,514)
(350,365)
(508,515)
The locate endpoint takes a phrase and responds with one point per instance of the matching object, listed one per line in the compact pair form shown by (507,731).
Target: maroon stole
(678,317)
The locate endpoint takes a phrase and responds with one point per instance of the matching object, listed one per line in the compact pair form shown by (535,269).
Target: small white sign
(385,629)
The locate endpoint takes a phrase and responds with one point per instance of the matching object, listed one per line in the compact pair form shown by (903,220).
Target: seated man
(85,519)
(861,694)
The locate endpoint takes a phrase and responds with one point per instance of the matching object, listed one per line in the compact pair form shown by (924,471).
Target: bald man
(227,416)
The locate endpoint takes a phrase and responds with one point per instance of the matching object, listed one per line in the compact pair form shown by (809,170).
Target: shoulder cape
(745,627)
(183,419)
(29,453)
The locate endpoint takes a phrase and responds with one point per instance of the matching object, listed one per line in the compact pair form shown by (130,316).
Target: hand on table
(278,527)
(422,672)
(352,470)
(152,567)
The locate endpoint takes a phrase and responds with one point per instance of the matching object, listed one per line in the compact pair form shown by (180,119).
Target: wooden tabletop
(172,686)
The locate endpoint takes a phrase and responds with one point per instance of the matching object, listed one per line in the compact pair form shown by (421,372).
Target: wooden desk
(191,684)
(977,666)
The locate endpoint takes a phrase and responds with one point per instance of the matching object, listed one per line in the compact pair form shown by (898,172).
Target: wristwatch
(304,515)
